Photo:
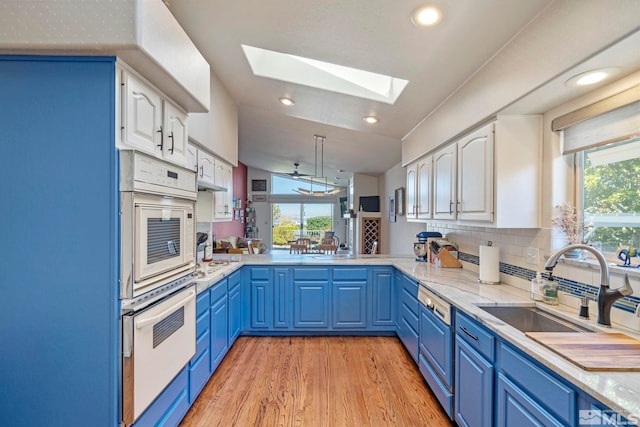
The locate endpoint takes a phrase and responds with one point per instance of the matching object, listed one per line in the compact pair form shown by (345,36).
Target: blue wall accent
(59,357)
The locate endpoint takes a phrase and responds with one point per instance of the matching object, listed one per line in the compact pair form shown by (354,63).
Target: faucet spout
(606,296)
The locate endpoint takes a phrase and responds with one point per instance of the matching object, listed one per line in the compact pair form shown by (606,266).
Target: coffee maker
(421,248)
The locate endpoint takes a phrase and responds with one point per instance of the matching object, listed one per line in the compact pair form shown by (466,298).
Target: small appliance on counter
(421,248)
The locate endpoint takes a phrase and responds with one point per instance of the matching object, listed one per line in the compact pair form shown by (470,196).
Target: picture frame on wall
(392,208)
(399,195)
(258,185)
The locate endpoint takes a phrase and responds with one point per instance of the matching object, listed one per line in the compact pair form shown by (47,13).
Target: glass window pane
(612,195)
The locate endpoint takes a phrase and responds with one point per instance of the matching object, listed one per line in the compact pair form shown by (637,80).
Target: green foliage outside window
(612,202)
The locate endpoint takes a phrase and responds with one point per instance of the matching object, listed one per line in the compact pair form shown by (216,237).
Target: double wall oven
(157,257)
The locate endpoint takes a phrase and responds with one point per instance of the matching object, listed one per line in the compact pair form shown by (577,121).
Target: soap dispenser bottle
(536,287)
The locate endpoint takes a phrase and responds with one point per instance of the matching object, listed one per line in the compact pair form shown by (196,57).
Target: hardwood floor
(316,381)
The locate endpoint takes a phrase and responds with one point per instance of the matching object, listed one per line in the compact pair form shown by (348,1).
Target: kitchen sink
(530,318)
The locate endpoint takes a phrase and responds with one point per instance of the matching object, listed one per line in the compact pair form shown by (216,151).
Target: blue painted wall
(58,267)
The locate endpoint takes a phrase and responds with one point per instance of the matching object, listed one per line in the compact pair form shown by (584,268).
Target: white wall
(397,237)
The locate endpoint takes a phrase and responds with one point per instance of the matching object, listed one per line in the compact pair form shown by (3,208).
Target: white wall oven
(157,293)
(157,203)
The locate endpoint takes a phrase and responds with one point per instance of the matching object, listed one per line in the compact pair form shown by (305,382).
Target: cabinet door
(235,312)
(350,305)
(223,178)
(444,183)
(473,387)
(282,298)
(424,188)
(206,167)
(261,303)
(516,408)
(475,176)
(383,298)
(412,188)
(219,330)
(311,304)
(191,161)
(175,134)
(142,116)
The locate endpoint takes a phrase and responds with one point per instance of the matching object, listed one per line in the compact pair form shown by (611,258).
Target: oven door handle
(141,323)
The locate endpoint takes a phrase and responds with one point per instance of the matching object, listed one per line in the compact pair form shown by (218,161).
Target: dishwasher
(436,347)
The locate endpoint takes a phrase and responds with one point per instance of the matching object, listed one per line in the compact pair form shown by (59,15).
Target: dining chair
(301,246)
(328,245)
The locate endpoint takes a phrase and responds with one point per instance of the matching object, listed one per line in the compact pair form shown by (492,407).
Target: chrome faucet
(606,296)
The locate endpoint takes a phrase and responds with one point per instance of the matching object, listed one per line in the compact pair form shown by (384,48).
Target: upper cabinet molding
(143,33)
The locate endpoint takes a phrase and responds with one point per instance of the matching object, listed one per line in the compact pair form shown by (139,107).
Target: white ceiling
(373,35)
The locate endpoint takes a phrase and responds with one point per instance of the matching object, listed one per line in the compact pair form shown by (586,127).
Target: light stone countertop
(620,391)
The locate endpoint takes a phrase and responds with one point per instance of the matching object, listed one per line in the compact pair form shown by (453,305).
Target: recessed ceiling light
(426,15)
(591,77)
(287,101)
(371,120)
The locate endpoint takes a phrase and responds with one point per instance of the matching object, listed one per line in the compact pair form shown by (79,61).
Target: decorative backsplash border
(572,287)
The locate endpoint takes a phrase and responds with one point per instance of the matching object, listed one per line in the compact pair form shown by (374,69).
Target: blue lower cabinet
(170,407)
(235,313)
(525,381)
(516,408)
(282,298)
(260,298)
(473,387)
(349,305)
(382,296)
(408,331)
(199,373)
(219,325)
(311,305)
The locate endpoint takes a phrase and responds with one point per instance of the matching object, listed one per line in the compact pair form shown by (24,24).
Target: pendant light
(326,192)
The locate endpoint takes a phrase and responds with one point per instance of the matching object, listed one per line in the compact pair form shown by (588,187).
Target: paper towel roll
(489,265)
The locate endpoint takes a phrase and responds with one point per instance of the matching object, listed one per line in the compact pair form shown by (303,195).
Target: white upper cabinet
(223,200)
(491,177)
(419,188)
(206,168)
(151,123)
(475,176)
(412,188)
(423,192)
(191,161)
(175,134)
(444,183)
(141,116)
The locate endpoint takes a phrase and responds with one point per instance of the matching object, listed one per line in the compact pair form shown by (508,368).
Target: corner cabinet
(213,173)
(419,189)
(150,122)
(491,177)
(223,200)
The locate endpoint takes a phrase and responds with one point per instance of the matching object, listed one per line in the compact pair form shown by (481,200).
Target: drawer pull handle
(466,331)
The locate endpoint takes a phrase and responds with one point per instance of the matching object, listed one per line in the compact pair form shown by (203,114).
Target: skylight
(324,75)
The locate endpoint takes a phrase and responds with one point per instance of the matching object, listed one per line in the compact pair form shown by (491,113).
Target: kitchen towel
(489,265)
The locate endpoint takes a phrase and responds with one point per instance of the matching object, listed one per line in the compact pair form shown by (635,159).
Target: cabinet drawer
(542,386)
(350,274)
(259,273)
(311,273)
(198,375)
(439,389)
(202,303)
(410,285)
(219,290)
(234,279)
(410,318)
(410,302)
(479,338)
(202,323)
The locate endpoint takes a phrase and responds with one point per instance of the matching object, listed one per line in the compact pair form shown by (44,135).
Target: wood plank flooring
(316,381)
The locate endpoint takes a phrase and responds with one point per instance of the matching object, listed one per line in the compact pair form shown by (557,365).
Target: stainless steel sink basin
(532,319)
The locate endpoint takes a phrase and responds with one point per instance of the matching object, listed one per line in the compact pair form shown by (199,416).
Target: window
(611,194)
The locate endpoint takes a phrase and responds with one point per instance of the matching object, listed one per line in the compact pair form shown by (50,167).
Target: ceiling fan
(295,174)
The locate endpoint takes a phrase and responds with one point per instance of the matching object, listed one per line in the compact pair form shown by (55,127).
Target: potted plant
(566,219)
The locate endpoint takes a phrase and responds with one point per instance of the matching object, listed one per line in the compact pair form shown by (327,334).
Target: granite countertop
(620,391)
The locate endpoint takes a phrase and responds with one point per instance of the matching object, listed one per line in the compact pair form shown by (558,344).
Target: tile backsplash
(575,278)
